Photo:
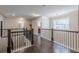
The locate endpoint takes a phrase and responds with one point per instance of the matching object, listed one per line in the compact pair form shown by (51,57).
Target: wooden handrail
(66,30)
(12,28)
(45,29)
(61,30)
(17,31)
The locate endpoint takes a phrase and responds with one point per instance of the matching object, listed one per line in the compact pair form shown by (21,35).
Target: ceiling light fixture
(35,15)
(21,20)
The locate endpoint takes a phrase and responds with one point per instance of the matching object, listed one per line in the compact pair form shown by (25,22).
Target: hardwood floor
(44,46)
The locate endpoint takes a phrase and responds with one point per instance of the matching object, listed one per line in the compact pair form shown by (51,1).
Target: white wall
(35,25)
(73,19)
(13,22)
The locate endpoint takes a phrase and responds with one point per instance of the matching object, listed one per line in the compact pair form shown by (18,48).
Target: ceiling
(28,10)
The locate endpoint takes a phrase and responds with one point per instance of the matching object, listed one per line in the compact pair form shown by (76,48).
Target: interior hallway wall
(13,22)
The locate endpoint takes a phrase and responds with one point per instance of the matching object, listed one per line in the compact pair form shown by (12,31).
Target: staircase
(15,41)
(20,44)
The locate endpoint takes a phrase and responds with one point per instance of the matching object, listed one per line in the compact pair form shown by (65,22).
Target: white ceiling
(27,10)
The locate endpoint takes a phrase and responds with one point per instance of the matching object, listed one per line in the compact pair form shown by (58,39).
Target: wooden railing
(16,38)
(66,38)
(4,32)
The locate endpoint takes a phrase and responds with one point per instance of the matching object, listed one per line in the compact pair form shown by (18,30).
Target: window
(61,23)
(45,22)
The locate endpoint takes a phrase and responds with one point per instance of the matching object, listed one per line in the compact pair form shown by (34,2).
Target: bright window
(45,22)
(61,23)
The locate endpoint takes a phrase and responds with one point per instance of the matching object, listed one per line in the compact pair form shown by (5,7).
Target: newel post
(52,38)
(9,41)
(1,28)
(32,37)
